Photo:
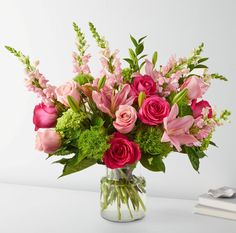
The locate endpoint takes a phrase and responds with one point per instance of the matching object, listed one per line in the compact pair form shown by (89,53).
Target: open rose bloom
(124,115)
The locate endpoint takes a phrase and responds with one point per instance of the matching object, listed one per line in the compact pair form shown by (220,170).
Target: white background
(43,30)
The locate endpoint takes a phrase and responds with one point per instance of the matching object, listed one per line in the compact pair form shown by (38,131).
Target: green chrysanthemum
(93,143)
(149,140)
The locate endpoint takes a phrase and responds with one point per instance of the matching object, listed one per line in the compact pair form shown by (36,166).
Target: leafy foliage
(75,164)
(194,154)
(81,79)
(153,162)
(135,54)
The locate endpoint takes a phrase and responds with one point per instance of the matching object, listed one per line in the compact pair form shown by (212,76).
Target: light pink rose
(47,140)
(126,117)
(196,87)
(44,116)
(68,89)
(153,110)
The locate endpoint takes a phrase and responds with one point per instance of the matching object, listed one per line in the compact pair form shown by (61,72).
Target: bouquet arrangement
(124,115)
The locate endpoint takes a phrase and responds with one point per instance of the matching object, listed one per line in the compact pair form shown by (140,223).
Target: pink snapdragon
(37,83)
(111,67)
(108,102)
(80,64)
(177,129)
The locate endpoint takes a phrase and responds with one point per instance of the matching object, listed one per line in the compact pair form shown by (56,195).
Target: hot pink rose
(68,89)
(121,152)
(153,110)
(44,116)
(197,108)
(126,117)
(196,87)
(48,141)
(144,83)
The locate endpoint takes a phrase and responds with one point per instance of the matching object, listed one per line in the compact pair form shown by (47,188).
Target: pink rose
(44,116)
(196,87)
(153,110)
(197,108)
(68,89)
(126,117)
(48,141)
(144,83)
(121,152)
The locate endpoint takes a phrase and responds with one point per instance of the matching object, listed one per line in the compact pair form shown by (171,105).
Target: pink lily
(177,129)
(108,102)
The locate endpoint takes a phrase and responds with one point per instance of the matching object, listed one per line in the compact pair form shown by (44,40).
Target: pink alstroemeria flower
(108,102)
(177,129)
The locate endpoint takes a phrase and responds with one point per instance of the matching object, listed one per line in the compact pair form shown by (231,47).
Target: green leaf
(129,61)
(154,58)
(97,121)
(62,161)
(142,56)
(202,59)
(142,64)
(139,49)
(200,66)
(153,163)
(73,166)
(83,78)
(101,82)
(72,103)
(141,98)
(213,144)
(132,54)
(180,96)
(194,157)
(134,41)
(141,39)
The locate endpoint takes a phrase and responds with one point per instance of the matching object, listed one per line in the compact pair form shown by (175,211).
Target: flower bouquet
(124,116)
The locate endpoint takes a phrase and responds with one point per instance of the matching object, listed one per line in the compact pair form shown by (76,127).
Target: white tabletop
(27,209)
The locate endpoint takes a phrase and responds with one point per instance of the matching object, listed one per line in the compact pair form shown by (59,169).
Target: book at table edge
(215,212)
(220,203)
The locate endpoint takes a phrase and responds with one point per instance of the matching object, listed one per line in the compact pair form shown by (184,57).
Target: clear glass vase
(123,194)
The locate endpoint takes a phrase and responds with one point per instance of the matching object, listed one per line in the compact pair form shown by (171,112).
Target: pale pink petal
(180,125)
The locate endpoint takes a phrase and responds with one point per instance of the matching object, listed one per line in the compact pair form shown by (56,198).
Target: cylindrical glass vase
(123,195)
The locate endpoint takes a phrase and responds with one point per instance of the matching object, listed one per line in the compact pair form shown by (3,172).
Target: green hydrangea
(149,140)
(70,125)
(71,120)
(93,143)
